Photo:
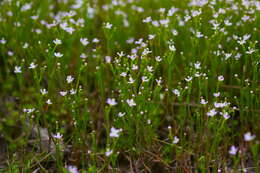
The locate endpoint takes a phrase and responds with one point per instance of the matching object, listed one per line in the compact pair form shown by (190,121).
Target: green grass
(129,86)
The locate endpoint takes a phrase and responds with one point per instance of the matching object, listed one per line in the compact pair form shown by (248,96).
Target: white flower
(72,91)
(121,114)
(84,41)
(108,152)
(233,150)
(145,79)
(203,101)
(58,54)
(248,136)
(111,101)
(216,94)
(131,102)
(108,25)
(158,58)
(17,69)
(57,41)
(114,133)
(95,40)
(212,112)
(131,80)
(172,48)
(72,169)
(220,78)
(226,116)
(58,135)
(69,79)
(150,68)
(32,65)
(63,93)
(175,140)
(49,102)
(176,92)
(83,56)
(43,91)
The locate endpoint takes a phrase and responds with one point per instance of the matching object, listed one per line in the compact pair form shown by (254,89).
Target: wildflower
(172,48)
(43,91)
(49,102)
(131,102)
(32,65)
(145,79)
(212,112)
(175,140)
(108,152)
(233,150)
(26,45)
(58,135)
(114,133)
(216,94)
(69,79)
(225,115)
(121,114)
(150,68)
(58,54)
(203,101)
(57,41)
(220,78)
(83,56)
(249,137)
(176,92)
(84,41)
(72,91)
(72,169)
(17,69)
(63,93)
(111,101)
(108,25)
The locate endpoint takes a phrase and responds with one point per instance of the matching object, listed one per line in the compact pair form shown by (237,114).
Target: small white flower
(131,102)
(172,48)
(108,152)
(150,68)
(95,40)
(212,112)
(114,133)
(63,93)
(58,135)
(225,115)
(32,65)
(83,56)
(249,137)
(220,78)
(43,91)
(57,41)
(175,140)
(216,94)
(111,101)
(72,169)
(17,69)
(69,79)
(158,58)
(49,102)
(203,101)
(131,80)
(84,41)
(233,150)
(145,79)
(72,91)
(176,92)
(121,114)
(108,25)
(58,54)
